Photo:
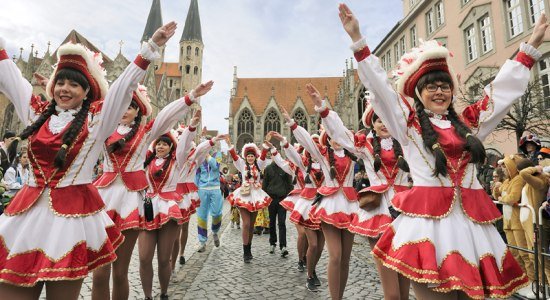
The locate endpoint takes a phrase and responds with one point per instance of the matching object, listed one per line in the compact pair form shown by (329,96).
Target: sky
(263,38)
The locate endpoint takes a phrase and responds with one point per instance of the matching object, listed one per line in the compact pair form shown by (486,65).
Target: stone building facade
(165,81)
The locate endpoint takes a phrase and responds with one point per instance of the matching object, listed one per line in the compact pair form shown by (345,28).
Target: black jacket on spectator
(276,183)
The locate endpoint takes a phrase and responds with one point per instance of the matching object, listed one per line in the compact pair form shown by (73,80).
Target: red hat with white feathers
(250,148)
(427,57)
(143,101)
(87,62)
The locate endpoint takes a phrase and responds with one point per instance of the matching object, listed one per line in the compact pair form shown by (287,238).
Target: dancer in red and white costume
(299,214)
(249,197)
(289,202)
(162,216)
(55,230)
(444,240)
(388,174)
(338,202)
(123,181)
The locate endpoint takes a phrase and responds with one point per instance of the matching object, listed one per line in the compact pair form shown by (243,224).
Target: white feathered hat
(250,148)
(427,57)
(142,99)
(369,111)
(87,62)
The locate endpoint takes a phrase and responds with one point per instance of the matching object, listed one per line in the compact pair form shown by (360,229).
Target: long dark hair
(76,125)
(249,168)
(397,150)
(117,145)
(473,145)
(153,154)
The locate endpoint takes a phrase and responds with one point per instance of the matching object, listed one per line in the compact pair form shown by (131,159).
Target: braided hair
(153,154)
(473,145)
(249,169)
(76,125)
(117,145)
(397,150)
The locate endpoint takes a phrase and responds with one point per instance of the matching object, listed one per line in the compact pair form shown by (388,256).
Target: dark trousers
(277,214)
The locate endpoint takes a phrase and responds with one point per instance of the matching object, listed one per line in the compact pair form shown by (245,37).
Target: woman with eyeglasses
(444,240)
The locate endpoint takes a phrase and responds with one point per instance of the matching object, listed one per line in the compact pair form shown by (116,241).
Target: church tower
(191,49)
(154,22)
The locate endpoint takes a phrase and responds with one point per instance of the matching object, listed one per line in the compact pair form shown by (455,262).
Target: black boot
(246,254)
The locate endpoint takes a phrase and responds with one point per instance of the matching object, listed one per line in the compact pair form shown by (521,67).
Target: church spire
(154,21)
(192,29)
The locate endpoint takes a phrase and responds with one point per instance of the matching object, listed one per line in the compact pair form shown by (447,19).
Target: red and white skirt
(39,245)
(374,222)
(122,205)
(451,253)
(163,211)
(289,202)
(195,201)
(334,209)
(300,214)
(256,200)
(187,207)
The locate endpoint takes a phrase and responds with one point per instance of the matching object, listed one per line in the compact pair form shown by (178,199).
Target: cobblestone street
(219,273)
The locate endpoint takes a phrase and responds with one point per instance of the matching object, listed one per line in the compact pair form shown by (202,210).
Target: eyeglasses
(432,88)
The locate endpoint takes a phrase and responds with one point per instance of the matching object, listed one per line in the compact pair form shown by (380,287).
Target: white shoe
(174,276)
(202,247)
(232,225)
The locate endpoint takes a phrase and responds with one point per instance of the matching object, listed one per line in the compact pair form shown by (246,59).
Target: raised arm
(303,137)
(119,95)
(291,153)
(332,123)
(186,138)
(388,105)
(177,110)
(276,157)
(16,88)
(507,87)
(238,162)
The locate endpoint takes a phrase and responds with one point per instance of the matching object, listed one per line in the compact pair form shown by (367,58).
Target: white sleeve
(507,87)
(303,137)
(119,96)
(17,89)
(238,162)
(387,103)
(338,132)
(202,150)
(283,164)
(168,116)
(293,156)
(184,144)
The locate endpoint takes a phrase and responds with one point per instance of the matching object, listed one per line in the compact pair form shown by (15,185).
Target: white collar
(124,129)
(63,117)
(386,143)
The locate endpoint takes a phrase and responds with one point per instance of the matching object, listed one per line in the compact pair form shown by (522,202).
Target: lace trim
(386,143)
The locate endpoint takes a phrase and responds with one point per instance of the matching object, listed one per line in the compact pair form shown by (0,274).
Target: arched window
(272,122)
(196,71)
(245,123)
(300,118)
(188,50)
(187,69)
(197,51)
(362,104)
